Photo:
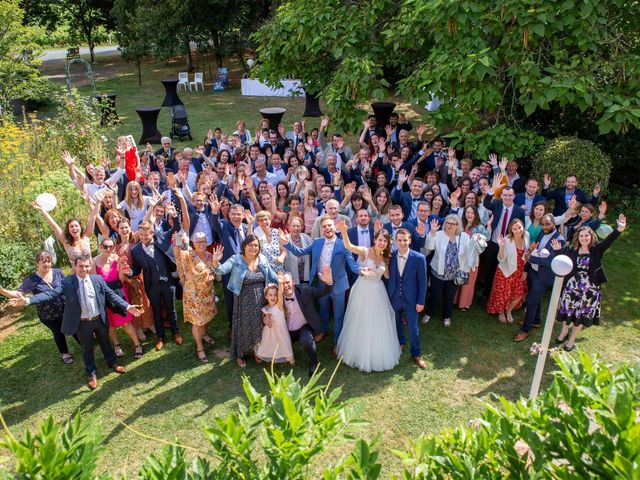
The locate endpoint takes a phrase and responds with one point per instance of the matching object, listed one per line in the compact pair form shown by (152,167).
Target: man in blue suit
(231,233)
(328,250)
(504,210)
(408,200)
(407,289)
(418,234)
(562,196)
(86,298)
(361,235)
(527,199)
(539,274)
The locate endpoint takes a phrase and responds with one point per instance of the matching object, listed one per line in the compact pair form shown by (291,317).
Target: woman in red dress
(510,282)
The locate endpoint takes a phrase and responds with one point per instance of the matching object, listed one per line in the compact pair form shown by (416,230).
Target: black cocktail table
(171,97)
(149,118)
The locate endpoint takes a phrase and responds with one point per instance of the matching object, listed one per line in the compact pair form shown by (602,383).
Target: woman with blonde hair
(135,204)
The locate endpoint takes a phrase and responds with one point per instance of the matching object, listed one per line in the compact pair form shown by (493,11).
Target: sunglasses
(108,247)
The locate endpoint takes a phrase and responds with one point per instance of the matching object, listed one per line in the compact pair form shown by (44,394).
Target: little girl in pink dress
(275,345)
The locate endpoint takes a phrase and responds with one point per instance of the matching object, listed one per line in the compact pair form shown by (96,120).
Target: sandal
(241,362)
(203,358)
(208,340)
(138,352)
(118,350)
(509,317)
(257,359)
(502,318)
(67,358)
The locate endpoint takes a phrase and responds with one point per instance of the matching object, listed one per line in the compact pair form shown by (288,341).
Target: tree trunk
(216,47)
(139,72)
(91,52)
(245,67)
(189,59)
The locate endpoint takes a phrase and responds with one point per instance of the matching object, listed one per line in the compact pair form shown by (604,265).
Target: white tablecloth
(254,88)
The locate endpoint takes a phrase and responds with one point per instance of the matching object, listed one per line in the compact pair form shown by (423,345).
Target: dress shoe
(92,382)
(177,338)
(420,362)
(159,344)
(319,337)
(118,368)
(521,336)
(568,348)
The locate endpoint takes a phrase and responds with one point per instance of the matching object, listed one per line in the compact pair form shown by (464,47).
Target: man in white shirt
(262,174)
(86,297)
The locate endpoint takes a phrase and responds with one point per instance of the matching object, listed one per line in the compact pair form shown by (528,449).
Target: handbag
(461,277)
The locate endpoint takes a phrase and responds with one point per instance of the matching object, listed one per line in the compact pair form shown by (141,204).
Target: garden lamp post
(561,266)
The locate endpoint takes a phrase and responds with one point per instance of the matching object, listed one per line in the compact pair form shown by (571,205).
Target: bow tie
(414,200)
(364,231)
(404,257)
(289,299)
(395,227)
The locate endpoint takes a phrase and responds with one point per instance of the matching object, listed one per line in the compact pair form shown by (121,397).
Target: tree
(132,33)
(86,16)
(494,64)
(19,76)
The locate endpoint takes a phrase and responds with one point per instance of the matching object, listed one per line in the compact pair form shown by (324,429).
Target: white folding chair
(183,79)
(197,80)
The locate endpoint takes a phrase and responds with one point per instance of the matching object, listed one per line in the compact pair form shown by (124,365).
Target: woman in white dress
(369,340)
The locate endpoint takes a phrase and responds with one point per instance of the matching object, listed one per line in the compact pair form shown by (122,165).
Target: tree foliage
(19,76)
(494,64)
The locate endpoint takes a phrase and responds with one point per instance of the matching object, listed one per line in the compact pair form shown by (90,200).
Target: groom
(407,289)
(328,250)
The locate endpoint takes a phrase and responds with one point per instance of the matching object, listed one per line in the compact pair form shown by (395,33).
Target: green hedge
(17,260)
(570,155)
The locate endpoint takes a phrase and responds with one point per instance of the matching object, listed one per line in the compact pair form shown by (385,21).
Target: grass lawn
(170,395)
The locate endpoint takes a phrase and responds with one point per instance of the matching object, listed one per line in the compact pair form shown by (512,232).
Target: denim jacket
(238,268)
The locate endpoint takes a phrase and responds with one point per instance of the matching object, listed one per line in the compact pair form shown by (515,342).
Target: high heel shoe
(560,341)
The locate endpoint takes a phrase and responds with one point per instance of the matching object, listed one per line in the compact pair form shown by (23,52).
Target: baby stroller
(179,123)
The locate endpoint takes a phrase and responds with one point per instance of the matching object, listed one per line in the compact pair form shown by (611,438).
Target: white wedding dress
(369,339)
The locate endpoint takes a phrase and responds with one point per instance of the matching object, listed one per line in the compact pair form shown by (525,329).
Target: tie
(414,200)
(364,232)
(503,229)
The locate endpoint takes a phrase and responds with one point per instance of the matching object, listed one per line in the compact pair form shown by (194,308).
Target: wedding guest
(528,199)
(195,268)
(275,345)
(407,290)
(86,297)
(510,282)
(382,203)
(298,267)
(50,313)
(310,212)
(269,242)
(328,250)
(562,195)
(532,222)
(75,240)
(134,204)
(249,270)
(451,252)
(153,257)
(580,305)
(107,265)
(585,217)
(331,211)
(539,274)
(479,236)
(231,233)
(303,319)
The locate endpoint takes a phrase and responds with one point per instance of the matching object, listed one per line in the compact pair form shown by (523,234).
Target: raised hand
(503,164)
(341,226)
(68,159)
(172,183)
(218,253)
(402,177)
(455,195)
(421,129)
(214,203)
(382,144)
(556,245)
(378,226)
(547,180)
(389,131)
(435,226)
(210,135)
(414,169)
(37,206)
(502,241)
(248,217)
(602,208)
(597,189)
(326,275)
(339,143)
(280,276)
(622,222)
(337,179)
(283,236)
(171,210)
(421,229)
(324,122)
(493,159)
(367,123)
(573,203)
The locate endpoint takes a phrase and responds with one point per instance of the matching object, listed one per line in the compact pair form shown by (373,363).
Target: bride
(369,341)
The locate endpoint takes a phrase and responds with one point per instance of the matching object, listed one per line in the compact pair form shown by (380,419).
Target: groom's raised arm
(351,263)
(298,251)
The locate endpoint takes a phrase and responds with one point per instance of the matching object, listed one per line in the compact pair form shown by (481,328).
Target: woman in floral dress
(580,304)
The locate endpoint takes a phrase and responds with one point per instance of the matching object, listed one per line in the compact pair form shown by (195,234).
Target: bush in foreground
(586,425)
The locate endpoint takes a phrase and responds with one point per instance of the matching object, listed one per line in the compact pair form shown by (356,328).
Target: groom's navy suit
(339,257)
(405,292)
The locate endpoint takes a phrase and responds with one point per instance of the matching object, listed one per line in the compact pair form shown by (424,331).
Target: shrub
(570,155)
(585,426)
(17,260)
